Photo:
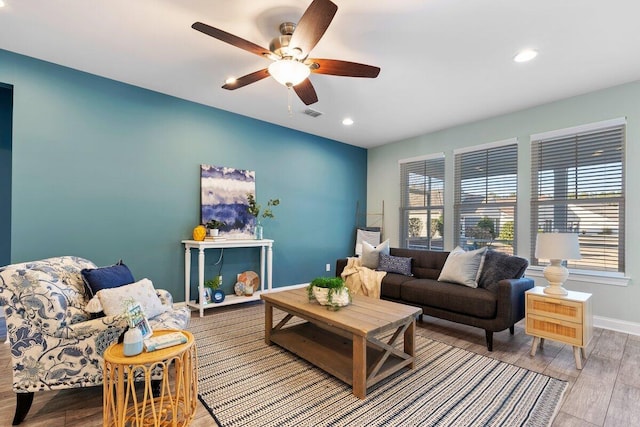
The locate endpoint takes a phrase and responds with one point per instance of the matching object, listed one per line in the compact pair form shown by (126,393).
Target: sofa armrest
(340,265)
(165,297)
(511,299)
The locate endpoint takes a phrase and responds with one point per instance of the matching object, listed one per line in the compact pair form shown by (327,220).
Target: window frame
(459,205)
(428,206)
(580,133)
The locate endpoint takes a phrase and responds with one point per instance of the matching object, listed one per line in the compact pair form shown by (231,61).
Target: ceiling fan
(290,53)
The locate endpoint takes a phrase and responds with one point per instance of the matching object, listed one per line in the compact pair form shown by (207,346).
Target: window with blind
(486,186)
(422,203)
(578,186)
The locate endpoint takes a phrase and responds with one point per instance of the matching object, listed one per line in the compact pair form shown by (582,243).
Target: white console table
(266,259)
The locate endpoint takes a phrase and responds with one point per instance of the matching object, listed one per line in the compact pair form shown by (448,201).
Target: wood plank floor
(605,393)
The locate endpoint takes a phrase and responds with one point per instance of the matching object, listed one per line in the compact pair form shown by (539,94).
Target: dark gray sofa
(495,305)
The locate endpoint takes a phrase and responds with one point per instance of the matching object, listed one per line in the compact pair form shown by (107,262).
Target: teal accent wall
(619,303)
(6,108)
(105,170)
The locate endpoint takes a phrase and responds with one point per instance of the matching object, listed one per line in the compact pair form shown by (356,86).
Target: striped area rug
(244,382)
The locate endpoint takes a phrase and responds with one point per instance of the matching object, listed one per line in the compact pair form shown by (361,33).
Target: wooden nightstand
(566,319)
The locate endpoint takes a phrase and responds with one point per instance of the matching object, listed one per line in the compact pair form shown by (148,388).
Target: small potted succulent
(214,226)
(213,294)
(329,291)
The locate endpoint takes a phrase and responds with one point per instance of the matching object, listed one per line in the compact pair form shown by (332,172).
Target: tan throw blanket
(362,280)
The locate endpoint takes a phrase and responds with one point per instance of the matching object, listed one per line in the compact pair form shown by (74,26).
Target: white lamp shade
(289,72)
(557,246)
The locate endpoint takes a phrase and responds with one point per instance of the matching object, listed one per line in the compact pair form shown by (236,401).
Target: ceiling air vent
(312,113)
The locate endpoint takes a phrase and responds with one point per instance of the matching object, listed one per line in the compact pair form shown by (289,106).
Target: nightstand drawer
(569,311)
(555,329)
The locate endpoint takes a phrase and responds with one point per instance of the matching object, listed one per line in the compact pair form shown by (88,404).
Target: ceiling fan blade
(231,39)
(248,79)
(336,67)
(306,92)
(312,25)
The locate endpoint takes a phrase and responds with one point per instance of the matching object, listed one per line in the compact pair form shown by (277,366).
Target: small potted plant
(213,293)
(214,226)
(329,291)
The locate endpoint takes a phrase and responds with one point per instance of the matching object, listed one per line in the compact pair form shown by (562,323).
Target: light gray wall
(383,180)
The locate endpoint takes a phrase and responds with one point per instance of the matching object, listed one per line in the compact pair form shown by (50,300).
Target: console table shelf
(266,261)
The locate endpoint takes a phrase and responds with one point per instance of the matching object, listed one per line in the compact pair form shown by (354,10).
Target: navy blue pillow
(109,277)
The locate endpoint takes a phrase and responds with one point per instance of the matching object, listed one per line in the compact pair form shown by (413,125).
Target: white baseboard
(616,325)
(290,287)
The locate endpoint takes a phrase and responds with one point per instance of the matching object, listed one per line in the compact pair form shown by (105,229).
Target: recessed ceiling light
(228,81)
(347,122)
(525,55)
(2,3)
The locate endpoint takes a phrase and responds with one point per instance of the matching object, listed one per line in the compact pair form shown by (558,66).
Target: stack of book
(159,342)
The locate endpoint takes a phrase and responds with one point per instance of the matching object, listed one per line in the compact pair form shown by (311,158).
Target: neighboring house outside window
(577,186)
(422,202)
(486,185)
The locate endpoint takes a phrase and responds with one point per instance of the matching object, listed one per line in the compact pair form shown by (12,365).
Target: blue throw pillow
(109,277)
(395,264)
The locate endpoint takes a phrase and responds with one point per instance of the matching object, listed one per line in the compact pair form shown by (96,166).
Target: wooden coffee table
(344,343)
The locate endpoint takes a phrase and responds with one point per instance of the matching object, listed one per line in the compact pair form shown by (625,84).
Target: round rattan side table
(128,398)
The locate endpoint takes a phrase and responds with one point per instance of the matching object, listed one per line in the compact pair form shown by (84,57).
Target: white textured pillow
(371,254)
(143,292)
(463,267)
(94,305)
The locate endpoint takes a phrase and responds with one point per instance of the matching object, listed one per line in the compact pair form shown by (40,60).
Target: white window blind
(578,186)
(422,203)
(486,185)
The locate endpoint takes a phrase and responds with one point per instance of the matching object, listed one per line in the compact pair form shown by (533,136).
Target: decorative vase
(132,342)
(257,231)
(248,290)
(339,297)
(199,233)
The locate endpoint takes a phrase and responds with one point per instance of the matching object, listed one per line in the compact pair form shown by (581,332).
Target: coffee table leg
(359,367)
(268,322)
(410,342)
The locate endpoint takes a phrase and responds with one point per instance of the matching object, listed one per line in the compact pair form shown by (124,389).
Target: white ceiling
(444,62)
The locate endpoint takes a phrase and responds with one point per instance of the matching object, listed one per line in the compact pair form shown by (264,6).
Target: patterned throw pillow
(395,264)
(463,267)
(142,292)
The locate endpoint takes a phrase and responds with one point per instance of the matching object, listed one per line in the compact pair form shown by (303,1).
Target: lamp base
(555,290)
(556,274)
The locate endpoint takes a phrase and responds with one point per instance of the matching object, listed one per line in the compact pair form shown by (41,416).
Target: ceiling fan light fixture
(289,72)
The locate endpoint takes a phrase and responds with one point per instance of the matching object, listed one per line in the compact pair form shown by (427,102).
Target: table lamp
(557,247)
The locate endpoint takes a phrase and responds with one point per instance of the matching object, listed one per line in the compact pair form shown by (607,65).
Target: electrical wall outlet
(328,267)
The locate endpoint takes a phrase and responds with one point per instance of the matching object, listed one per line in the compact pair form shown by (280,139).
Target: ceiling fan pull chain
(289,101)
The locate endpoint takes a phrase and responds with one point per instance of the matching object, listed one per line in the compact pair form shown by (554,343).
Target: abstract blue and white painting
(223,196)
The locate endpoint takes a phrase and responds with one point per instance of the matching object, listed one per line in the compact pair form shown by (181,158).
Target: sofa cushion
(425,264)
(463,267)
(390,286)
(498,266)
(371,254)
(112,276)
(476,302)
(395,264)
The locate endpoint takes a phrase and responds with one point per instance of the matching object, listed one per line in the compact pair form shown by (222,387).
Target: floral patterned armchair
(55,344)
